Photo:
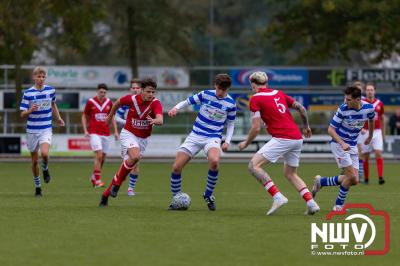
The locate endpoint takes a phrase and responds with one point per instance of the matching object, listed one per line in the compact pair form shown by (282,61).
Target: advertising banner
(276,77)
(114,77)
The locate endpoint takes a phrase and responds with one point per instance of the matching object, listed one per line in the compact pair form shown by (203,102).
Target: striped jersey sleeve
(196,98)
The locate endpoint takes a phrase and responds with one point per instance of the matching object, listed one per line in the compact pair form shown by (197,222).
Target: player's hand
(225,147)
(345,146)
(61,122)
(172,112)
(363,131)
(242,145)
(116,135)
(307,132)
(368,140)
(151,120)
(109,119)
(33,108)
(86,133)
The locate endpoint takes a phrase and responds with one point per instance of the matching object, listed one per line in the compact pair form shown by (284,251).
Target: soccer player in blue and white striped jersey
(217,110)
(120,118)
(37,105)
(344,129)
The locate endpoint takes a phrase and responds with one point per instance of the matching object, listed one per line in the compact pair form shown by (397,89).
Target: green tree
(27,26)
(317,30)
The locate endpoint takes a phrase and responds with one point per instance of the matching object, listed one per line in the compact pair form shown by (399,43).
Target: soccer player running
(144,112)
(376,143)
(120,117)
(344,129)
(272,107)
(217,108)
(94,117)
(37,105)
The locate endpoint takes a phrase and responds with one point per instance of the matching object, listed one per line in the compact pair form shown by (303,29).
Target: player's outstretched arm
(180,105)
(57,113)
(114,109)
(159,120)
(253,132)
(304,117)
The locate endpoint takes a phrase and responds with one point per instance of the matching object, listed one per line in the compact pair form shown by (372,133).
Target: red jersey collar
(265,89)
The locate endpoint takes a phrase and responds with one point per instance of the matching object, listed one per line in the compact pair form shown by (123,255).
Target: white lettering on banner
(101,117)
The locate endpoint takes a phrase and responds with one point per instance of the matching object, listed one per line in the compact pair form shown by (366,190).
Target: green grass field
(66,226)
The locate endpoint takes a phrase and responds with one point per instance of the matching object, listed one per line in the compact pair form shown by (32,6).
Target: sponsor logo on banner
(79,144)
(379,76)
(276,77)
(358,229)
(331,77)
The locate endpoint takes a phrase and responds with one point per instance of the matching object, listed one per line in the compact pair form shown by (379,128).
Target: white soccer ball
(181,201)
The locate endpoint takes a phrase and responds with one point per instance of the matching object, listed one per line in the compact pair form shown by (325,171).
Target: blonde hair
(358,84)
(39,70)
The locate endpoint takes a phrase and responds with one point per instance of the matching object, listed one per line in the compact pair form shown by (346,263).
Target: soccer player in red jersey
(95,126)
(144,112)
(272,107)
(376,143)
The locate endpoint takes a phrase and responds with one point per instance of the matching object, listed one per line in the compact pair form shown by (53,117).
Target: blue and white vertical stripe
(214,113)
(349,122)
(40,120)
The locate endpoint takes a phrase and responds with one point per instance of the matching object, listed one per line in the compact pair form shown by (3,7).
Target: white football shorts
(375,144)
(195,143)
(99,143)
(129,140)
(34,140)
(345,158)
(288,149)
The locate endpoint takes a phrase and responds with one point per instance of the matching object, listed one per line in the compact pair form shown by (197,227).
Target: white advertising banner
(114,77)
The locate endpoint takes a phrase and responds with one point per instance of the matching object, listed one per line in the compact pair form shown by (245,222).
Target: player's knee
(354,180)
(45,154)
(214,163)
(176,168)
(251,167)
(133,159)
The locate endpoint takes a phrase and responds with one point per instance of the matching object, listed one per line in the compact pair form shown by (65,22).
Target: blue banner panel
(276,77)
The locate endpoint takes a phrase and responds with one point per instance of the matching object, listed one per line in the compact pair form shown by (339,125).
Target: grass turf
(66,226)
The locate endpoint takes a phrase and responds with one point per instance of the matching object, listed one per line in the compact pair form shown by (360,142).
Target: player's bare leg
(379,166)
(213,157)
(44,152)
(35,172)
(255,168)
(290,173)
(181,159)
